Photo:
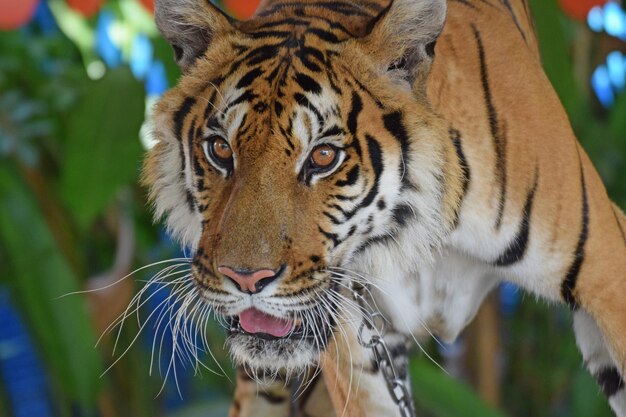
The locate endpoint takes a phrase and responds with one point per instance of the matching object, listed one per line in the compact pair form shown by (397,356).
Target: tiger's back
(535,209)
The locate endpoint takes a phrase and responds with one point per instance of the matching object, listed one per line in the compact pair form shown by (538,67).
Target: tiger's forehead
(293,112)
(285,88)
(281,82)
(345,19)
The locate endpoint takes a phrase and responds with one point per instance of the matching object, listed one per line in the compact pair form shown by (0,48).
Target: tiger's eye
(323,156)
(222,150)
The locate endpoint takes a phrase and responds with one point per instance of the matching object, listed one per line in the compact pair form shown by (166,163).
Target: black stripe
(210,105)
(179,121)
(278,108)
(395,126)
(248,78)
(260,54)
(507,4)
(213,122)
(353,116)
(246,96)
(619,225)
(455,135)
(456,140)
(338,208)
(332,130)
(181,114)
(197,167)
(332,236)
(342,197)
(402,213)
(244,129)
(367,91)
(610,381)
(569,283)
(191,202)
(332,218)
(303,21)
(357,107)
(517,249)
(304,101)
(376,159)
(287,135)
(263,34)
(324,35)
(308,84)
(304,54)
(351,177)
(271,398)
(345,8)
(290,21)
(499,138)
(384,240)
(194,162)
(529,17)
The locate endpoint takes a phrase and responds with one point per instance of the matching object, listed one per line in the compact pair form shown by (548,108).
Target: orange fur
(487,139)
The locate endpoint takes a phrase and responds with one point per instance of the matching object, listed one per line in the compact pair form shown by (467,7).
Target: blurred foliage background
(77,80)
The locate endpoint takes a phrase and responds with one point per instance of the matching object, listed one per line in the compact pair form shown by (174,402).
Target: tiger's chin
(256,353)
(298,350)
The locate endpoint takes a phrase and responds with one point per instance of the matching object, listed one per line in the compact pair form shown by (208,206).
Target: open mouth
(253,322)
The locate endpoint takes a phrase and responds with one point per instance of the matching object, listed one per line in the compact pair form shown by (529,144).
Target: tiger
(414,149)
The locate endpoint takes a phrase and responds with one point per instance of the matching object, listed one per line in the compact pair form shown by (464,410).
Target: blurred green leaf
(555,53)
(164,52)
(61,325)
(103,152)
(443,395)
(4,406)
(584,403)
(618,117)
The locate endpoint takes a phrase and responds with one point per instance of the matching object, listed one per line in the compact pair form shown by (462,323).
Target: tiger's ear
(404,35)
(190,26)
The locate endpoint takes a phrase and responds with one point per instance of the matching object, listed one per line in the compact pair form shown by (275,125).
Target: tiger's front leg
(278,397)
(354,377)
(271,398)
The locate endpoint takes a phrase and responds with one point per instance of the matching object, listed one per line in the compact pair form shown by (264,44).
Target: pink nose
(249,282)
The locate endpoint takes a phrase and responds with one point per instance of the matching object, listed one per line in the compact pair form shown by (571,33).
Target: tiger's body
(445,176)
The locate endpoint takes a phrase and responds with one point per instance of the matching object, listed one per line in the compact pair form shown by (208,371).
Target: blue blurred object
(609,79)
(595,19)
(21,371)
(105,47)
(509,298)
(141,56)
(156,79)
(44,19)
(160,338)
(617,69)
(601,83)
(615,20)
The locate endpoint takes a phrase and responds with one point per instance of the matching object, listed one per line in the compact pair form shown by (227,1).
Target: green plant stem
(54,216)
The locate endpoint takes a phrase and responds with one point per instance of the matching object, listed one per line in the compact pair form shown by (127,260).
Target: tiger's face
(289,149)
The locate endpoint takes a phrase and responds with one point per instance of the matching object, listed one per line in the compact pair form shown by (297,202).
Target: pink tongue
(255,321)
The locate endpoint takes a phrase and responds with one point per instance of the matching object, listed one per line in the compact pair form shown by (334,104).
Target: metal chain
(397,388)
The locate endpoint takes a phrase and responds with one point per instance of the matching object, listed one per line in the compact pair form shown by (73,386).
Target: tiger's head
(296,143)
